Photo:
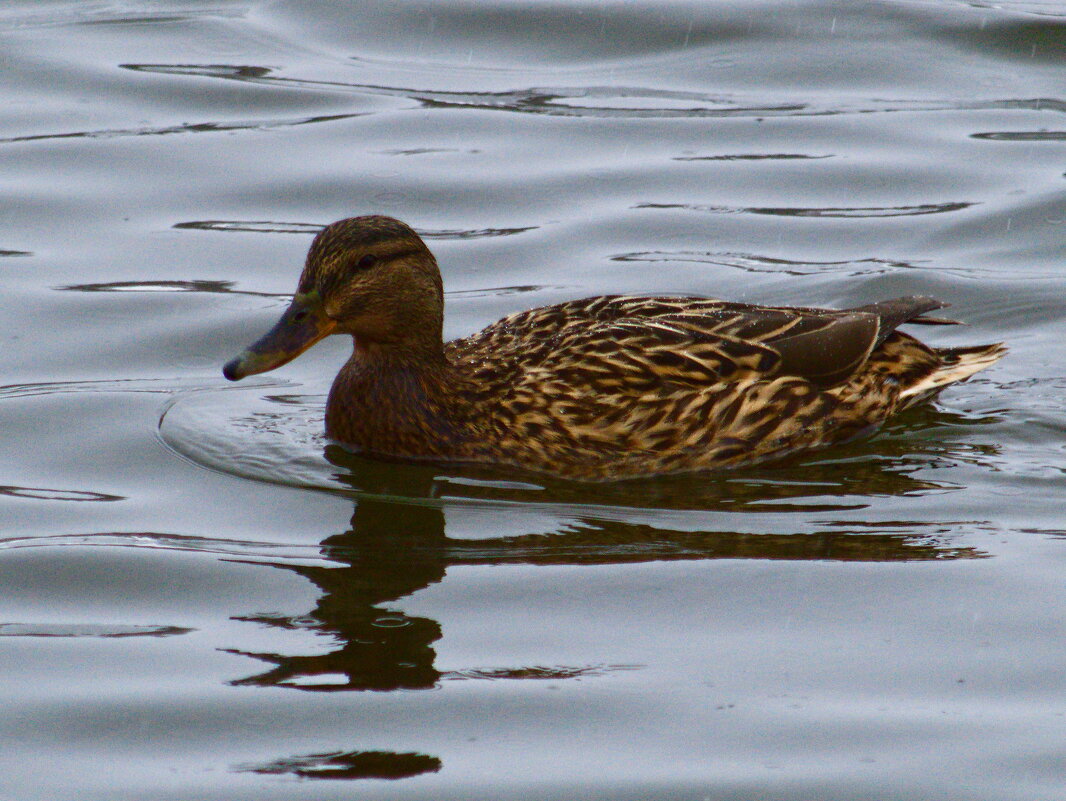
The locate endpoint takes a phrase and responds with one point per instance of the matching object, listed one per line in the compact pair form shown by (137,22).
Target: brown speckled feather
(608,387)
(623,386)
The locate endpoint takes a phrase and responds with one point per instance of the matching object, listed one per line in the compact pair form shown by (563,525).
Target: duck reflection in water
(391,551)
(397,545)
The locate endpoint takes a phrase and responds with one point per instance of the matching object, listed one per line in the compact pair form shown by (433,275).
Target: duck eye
(366,261)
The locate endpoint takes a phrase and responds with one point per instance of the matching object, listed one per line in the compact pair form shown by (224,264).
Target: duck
(604,388)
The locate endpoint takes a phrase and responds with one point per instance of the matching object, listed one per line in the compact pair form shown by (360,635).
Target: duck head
(371,277)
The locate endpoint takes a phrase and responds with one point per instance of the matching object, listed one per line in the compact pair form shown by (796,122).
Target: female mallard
(596,389)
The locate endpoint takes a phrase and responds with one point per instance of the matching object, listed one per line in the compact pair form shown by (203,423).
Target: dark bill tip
(232,369)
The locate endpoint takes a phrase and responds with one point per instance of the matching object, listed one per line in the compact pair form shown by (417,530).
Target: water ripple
(184,128)
(244,550)
(44,494)
(595,101)
(160,385)
(751,157)
(536,672)
(757,263)
(1022,136)
(754,263)
(161,286)
(251,226)
(474,233)
(841,211)
(272,227)
(105,630)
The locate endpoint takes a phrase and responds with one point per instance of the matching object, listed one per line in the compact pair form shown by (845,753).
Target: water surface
(203,598)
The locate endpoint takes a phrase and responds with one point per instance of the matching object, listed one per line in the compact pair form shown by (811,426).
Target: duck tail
(956,364)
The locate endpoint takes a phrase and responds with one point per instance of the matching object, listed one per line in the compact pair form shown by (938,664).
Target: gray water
(201,598)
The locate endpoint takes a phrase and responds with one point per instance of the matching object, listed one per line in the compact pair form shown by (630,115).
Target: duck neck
(398,399)
(419,350)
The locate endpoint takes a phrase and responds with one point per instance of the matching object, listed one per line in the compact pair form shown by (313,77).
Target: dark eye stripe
(369,260)
(400,254)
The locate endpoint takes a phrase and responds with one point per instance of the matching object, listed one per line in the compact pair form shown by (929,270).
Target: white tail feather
(958,365)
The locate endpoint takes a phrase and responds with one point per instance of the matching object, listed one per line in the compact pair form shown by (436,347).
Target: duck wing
(632,344)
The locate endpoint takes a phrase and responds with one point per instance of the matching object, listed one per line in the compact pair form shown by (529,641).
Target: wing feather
(642,342)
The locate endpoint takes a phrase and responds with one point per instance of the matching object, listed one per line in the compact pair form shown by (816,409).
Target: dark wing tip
(891,314)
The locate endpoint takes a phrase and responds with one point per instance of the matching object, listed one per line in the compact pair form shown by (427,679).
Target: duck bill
(302,325)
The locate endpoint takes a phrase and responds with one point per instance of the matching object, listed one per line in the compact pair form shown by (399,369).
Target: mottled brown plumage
(596,389)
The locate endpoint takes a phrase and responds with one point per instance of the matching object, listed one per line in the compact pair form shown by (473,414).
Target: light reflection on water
(881,619)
